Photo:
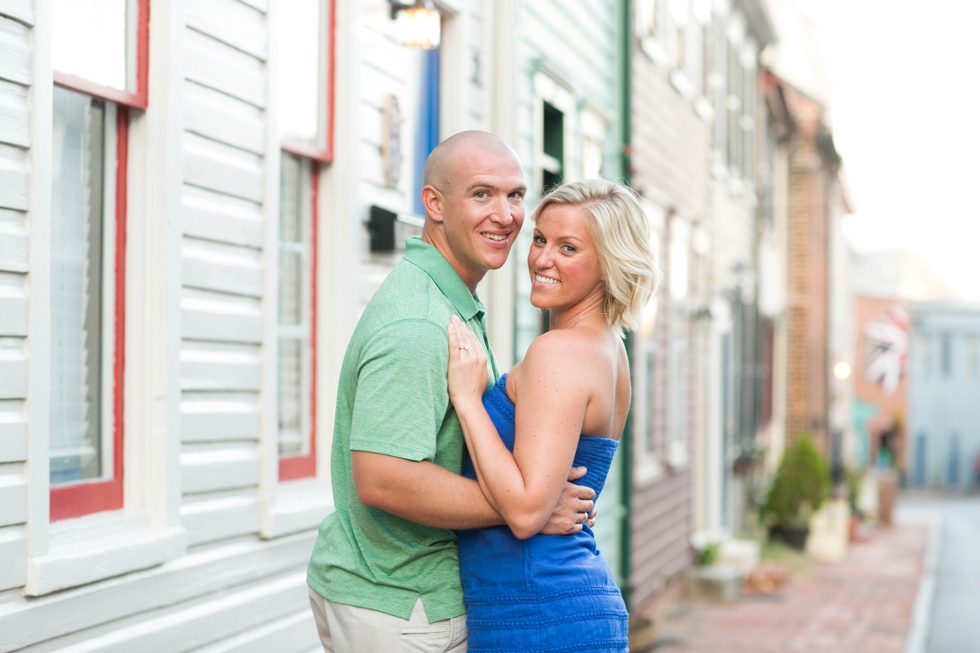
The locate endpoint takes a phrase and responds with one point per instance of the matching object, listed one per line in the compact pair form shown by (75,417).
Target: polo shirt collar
(433,263)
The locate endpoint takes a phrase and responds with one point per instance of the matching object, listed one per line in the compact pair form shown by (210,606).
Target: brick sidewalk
(860,604)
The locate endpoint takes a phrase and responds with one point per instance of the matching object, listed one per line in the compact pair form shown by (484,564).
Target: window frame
(302,466)
(88,497)
(325,154)
(137,99)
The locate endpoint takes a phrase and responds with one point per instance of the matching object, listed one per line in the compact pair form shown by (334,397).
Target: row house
(194,207)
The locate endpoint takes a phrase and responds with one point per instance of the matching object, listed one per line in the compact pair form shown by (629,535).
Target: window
(553,147)
(305,75)
(647,355)
(923,356)
(946,354)
(678,282)
(647,23)
(98,82)
(972,346)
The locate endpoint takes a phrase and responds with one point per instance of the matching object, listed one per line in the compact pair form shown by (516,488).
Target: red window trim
(87,497)
(304,466)
(137,99)
(296,467)
(305,150)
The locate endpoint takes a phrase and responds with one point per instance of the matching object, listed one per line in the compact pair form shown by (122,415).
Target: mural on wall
(888,347)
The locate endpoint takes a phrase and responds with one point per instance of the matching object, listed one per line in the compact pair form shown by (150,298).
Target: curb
(917,638)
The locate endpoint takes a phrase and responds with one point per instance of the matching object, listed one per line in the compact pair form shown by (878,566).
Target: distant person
(592,266)
(384,574)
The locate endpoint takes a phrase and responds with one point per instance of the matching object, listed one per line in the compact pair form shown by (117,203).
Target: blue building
(944,395)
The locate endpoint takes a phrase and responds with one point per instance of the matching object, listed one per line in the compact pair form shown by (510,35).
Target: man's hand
(576,506)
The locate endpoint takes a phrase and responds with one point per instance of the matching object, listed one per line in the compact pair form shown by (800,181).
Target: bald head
(442,162)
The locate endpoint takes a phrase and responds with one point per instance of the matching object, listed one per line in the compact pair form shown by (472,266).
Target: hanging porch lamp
(419,23)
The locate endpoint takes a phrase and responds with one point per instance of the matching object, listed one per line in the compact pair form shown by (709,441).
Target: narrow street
(955,614)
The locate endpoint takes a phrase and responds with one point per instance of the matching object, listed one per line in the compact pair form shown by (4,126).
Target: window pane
(90,40)
(76,286)
(294,305)
(301,85)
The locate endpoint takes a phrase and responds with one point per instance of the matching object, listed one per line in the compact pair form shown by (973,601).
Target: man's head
(473,195)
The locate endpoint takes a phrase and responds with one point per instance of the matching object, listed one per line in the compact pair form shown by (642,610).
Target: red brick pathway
(860,604)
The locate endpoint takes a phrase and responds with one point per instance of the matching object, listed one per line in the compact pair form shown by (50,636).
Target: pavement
(861,604)
(954,613)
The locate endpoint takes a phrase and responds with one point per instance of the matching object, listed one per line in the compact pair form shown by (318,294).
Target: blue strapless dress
(549,593)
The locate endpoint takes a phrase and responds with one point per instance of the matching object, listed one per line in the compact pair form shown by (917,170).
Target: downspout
(626,459)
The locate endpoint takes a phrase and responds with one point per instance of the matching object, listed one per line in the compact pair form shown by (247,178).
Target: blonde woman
(592,266)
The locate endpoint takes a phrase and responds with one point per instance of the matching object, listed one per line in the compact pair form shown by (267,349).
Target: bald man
(384,574)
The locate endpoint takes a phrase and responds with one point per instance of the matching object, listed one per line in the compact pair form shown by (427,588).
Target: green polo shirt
(393,400)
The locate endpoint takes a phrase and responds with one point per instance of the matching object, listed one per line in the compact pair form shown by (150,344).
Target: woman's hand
(467,365)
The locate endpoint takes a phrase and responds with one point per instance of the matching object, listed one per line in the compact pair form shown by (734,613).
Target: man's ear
(432,201)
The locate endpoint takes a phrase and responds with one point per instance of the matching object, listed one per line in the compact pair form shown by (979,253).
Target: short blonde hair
(621,233)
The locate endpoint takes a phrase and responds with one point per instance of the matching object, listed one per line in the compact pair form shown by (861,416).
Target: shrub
(802,483)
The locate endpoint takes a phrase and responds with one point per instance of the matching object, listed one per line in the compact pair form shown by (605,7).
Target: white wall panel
(13,562)
(219,367)
(210,519)
(221,168)
(213,216)
(15,47)
(14,178)
(231,22)
(13,242)
(13,306)
(210,417)
(13,369)
(209,469)
(212,63)
(223,268)
(295,633)
(217,317)
(222,118)
(22,10)
(13,495)
(13,432)
(15,121)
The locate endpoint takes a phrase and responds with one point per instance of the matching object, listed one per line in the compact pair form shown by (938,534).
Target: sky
(905,118)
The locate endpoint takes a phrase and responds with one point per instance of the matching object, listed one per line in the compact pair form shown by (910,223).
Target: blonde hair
(621,233)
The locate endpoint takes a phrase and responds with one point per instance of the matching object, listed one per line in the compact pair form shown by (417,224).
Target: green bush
(802,483)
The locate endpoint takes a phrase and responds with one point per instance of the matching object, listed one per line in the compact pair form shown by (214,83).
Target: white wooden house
(184,187)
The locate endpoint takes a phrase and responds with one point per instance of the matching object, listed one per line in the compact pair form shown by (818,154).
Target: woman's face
(563,262)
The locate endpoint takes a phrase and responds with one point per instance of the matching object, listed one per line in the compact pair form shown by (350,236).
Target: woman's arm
(555,391)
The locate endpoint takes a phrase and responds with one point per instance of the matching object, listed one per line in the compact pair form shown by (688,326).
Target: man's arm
(428,494)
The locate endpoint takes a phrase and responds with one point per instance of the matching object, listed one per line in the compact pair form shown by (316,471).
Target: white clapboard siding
(13,369)
(223,268)
(211,417)
(223,118)
(15,48)
(13,495)
(223,68)
(14,178)
(13,432)
(213,216)
(25,622)
(22,10)
(210,467)
(222,168)
(13,242)
(221,516)
(13,306)
(193,624)
(218,317)
(13,562)
(231,22)
(219,367)
(15,119)
(295,633)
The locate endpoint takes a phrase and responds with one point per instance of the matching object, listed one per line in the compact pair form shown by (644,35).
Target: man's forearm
(421,492)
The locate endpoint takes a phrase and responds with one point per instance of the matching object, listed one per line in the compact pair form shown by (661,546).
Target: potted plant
(801,484)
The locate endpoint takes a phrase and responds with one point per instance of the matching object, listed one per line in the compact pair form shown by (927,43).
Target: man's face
(482,211)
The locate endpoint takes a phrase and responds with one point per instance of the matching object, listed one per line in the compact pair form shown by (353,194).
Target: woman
(592,265)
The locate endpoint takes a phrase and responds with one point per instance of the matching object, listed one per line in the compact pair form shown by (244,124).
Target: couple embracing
(464,497)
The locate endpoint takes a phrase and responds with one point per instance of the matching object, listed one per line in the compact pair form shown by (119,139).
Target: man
(384,574)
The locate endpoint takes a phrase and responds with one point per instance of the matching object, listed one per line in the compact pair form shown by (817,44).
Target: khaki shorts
(348,629)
